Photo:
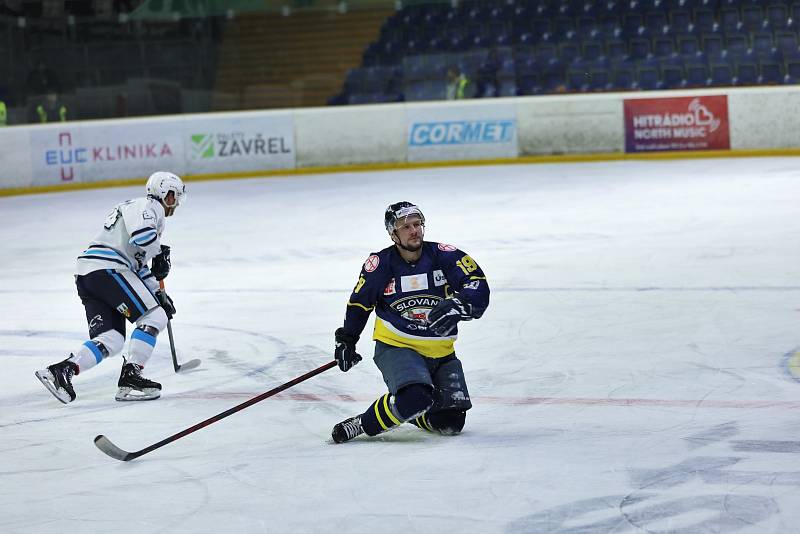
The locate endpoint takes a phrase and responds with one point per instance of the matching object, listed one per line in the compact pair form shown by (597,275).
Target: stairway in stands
(300,60)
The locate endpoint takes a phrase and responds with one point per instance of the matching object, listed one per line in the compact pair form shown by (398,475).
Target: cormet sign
(463,132)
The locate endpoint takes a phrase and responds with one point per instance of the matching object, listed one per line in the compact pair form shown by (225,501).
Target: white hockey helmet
(161,183)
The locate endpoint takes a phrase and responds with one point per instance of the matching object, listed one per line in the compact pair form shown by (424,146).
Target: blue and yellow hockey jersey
(403,293)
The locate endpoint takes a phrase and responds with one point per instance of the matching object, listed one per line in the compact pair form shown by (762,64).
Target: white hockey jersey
(130,237)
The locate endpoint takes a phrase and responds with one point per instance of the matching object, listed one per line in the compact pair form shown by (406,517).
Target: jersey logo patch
(446,248)
(390,288)
(415,282)
(123,309)
(439,278)
(372,263)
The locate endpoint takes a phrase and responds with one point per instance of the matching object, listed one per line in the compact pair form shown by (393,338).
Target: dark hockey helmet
(400,210)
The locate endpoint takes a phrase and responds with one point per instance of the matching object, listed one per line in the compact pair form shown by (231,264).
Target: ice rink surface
(637,369)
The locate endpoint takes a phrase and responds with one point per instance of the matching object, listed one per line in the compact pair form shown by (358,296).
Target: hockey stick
(191,364)
(105,444)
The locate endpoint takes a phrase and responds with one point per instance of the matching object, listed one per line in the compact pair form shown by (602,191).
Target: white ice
(636,370)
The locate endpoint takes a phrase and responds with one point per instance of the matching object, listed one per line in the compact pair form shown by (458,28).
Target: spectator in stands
(51,109)
(487,79)
(457,83)
(42,80)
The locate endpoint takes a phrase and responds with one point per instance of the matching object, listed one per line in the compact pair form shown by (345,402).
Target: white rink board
(246,142)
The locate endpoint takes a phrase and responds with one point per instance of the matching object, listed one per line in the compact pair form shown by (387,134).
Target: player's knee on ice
(413,400)
(448,422)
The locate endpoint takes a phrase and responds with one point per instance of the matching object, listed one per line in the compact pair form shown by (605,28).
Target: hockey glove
(166,303)
(345,353)
(161,263)
(444,317)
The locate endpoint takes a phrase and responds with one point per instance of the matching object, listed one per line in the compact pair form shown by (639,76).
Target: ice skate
(347,429)
(57,378)
(134,387)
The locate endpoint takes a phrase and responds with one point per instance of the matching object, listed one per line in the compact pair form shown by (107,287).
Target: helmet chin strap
(168,210)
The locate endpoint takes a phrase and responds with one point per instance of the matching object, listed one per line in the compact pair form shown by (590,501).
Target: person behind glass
(487,81)
(51,109)
(420,291)
(457,83)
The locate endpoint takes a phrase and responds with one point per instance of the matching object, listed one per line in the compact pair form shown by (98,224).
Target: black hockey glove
(444,317)
(166,303)
(161,263)
(345,353)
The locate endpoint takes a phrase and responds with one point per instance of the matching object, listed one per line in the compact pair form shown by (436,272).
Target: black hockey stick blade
(191,364)
(105,445)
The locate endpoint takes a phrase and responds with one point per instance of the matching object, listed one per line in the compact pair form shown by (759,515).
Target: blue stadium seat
(655,20)
(753,17)
(770,72)
(529,84)
(736,45)
(647,78)
(663,46)
(704,19)
(792,72)
(777,16)
(541,26)
(746,73)
(586,23)
(631,22)
(672,76)
(599,79)
(696,75)
(616,49)
(688,46)
(639,48)
(546,52)
(562,25)
(569,52)
(721,74)
(592,50)
(794,10)
(577,80)
(622,79)
(729,20)
(680,20)
(763,45)
(786,43)
(713,46)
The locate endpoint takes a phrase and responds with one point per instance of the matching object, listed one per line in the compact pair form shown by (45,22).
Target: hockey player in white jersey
(116,285)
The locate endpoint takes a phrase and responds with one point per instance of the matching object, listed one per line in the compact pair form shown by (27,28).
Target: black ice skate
(134,387)
(347,429)
(57,378)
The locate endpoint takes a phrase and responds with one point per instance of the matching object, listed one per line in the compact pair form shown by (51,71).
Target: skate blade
(48,380)
(130,394)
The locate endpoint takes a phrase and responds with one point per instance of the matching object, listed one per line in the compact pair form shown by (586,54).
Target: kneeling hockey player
(419,290)
(115,284)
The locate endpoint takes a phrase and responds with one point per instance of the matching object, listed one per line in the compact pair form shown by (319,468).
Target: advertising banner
(81,152)
(239,143)
(462,132)
(683,123)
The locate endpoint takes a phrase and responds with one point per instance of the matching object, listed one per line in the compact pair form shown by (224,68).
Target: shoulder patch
(372,263)
(446,248)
